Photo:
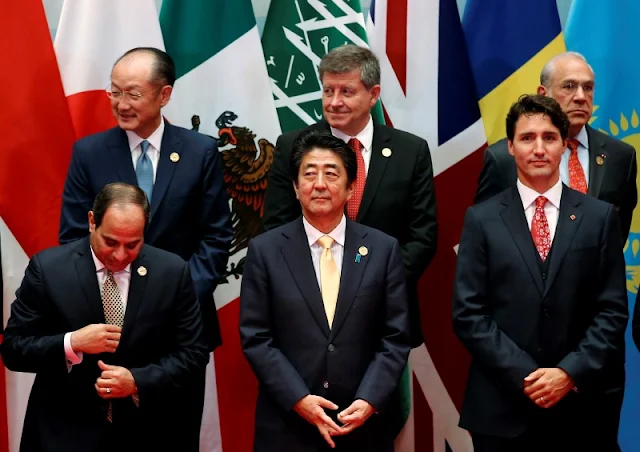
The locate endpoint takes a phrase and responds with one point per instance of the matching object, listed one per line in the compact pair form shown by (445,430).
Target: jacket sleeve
(280,203)
(605,335)
(629,199)
(384,372)
(77,200)
(490,347)
(492,179)
(31,340)
(273,370)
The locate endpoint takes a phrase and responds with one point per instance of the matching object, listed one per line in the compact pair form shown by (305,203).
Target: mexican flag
(223,91)
(295,38)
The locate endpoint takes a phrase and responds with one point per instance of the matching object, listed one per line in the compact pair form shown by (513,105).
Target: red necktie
(577,180)
(540,229)
(358,188)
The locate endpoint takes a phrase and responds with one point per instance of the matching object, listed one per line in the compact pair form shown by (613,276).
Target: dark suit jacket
(399,200)
(614,181)
(161,344)
(189,205)
(287,340)
(514,318)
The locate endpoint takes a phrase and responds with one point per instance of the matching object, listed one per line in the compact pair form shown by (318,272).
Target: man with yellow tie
(593,162)
(324,316)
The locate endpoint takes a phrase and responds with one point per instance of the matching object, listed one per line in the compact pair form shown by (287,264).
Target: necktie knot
(355,145)
(572,144)
(144,145)
(325,242)
(541,201)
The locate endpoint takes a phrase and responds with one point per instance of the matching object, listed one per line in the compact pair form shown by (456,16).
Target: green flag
(297,34)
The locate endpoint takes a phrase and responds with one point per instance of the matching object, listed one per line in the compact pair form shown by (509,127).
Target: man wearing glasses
(593,162)
(179,170)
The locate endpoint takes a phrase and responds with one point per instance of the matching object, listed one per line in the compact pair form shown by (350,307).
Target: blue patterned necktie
(144,170)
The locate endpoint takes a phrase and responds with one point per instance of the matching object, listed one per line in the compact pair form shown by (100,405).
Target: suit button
(544,275)
(325,385)
(331,347)
(545,312)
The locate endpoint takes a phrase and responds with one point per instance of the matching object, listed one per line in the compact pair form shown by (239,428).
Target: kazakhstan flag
(605,32)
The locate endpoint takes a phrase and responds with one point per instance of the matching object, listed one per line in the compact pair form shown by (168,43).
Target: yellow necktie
(329,278)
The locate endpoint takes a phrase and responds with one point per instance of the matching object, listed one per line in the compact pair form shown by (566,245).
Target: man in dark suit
(540,303)
(324,315)
(395,192)
(179,170)
(600,165)
(125,317)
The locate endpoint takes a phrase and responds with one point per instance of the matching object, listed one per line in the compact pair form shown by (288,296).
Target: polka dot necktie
(113,314)
(577,179)
(358,187)
(540,229)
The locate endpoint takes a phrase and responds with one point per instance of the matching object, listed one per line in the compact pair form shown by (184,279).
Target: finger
(327,403)
(106,383)
(112,328)
(103,366)
(534,375)
(102,392)
(538,385)
(329,422)
(353,417)
(327,438)
(347,411)
(348,428)
(113,336)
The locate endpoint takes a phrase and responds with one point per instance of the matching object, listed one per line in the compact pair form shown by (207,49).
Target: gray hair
(349,58)
(550,67)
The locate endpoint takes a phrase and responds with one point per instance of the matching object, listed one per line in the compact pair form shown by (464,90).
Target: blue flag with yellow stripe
(509,43)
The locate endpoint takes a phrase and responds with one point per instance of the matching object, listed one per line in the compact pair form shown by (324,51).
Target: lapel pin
(358,257)
(142,271)
(363,251)
(573,217)
(600,159)
(174,157)
(387,153)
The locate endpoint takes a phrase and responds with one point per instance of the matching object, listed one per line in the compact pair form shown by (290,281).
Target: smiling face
(572,86)
(119,238)
(140,114)
(346,101)
(537,147)
(322,186)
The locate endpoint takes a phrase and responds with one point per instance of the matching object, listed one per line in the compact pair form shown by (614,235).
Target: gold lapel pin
(174,157)
(573,217)
(387,153)
(363,251)
(142,271)
(600,160)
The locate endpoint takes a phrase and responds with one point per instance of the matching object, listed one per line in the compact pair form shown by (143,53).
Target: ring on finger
(108,390)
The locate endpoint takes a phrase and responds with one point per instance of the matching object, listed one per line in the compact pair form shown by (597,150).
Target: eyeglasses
(570,87)
(131,96)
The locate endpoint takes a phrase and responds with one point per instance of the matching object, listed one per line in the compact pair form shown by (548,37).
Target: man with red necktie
(394,189)
(592,163)
(540,302)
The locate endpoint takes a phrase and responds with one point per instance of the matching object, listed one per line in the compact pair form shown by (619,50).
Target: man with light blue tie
(593,162)
(179,170)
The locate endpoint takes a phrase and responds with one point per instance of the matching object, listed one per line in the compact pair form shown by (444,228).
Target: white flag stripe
(18,385)
(93,34)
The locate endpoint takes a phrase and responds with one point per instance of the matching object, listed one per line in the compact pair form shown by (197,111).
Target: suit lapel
(297,254)
(597,153)
(569,218)
(171,144)
(350,275)
(86,269)
(516,222)
(137,287)
(121,154)
(377,167)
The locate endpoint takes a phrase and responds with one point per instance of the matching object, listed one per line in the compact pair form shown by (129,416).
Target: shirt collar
(529,195)
(365,136)
(583,138)
(155,139)
(338,234)
(100,266)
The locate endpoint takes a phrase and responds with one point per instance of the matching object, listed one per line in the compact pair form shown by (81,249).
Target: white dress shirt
(551,208)
(153,151)
(583,157)
(123,279)
(337,247)
(366,139)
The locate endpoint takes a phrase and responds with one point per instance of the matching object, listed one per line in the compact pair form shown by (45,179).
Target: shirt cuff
(72,357)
